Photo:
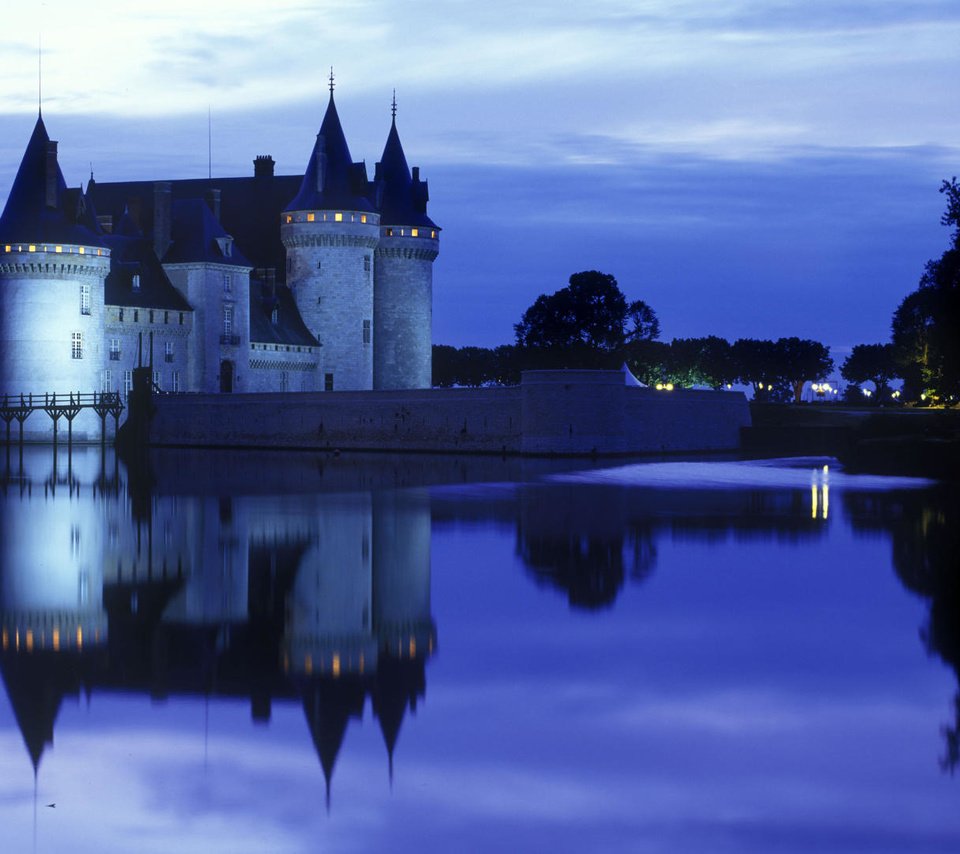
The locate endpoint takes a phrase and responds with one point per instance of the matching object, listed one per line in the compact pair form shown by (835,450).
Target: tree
(757,364)
(871,362)
(585,324)
(925,324)
(801,361)
(701,361)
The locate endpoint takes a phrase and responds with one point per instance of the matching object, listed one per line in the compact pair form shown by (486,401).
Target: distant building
(313,282)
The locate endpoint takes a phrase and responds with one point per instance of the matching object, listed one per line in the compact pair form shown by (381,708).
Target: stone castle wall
(551,412)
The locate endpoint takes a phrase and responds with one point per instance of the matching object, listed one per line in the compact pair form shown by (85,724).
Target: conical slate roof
(401,199)
(27,218)
(332,181)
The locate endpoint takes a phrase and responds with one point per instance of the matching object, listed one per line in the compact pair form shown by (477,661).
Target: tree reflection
(925,530)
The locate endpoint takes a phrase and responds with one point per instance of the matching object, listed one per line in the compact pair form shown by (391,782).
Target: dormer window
(226,246)
(136,281)
(275,316)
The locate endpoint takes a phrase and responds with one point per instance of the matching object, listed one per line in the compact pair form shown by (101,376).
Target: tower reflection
(321,596)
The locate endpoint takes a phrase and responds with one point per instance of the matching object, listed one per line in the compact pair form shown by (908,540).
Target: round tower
(403,272)
(53,263)
(330,230)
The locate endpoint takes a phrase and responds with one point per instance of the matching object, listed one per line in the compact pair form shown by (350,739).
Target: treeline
(776,370)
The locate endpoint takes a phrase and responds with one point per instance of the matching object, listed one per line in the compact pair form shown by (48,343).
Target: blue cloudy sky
(748,168)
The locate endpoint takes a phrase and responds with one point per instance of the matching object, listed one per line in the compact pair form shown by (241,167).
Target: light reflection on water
(658,656)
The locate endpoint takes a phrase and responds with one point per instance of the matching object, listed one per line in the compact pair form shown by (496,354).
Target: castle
(313,282)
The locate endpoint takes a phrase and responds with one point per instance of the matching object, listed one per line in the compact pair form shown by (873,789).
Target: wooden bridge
(20,407)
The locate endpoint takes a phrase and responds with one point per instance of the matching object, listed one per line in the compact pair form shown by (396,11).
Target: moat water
(229,652)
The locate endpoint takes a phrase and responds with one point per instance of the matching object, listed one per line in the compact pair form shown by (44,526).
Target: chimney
(270,280)
(161,218)
(321,161)
(50,175)
(416,174)
(263,166)
(133,209)
(213,202)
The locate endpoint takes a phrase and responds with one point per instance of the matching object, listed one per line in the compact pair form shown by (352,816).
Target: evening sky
(750,169)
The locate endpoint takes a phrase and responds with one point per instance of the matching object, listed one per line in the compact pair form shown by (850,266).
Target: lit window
(168,351)
(82,251)
(338,217)
(7,248)
(414,232)
(389,232)
(311,217)
(366,332)
(136,281)
(76,345)
(84,299)
(289,218)
(363,217)
(433,233)
(58,249)
(32,248)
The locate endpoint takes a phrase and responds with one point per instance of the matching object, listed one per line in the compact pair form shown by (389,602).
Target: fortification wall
(551,412)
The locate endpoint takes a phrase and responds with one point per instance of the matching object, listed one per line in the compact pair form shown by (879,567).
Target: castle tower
(330,230)
(403,272)
(53,263)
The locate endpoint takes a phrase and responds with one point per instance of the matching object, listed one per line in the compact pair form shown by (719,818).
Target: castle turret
(53,263)
(330,230)
(403,278)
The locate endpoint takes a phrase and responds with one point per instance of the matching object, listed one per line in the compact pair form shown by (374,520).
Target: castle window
(363,217)
(7,248)
(32,248)
(311,217)
(136,315)
(84,299)
(366,332)
(76,345)
(319,265)
(181,318)
(156,380)
(114,349)
(175,376)
(168,351)
(136,281)
(289,218)
(227,283)
(107,381)
(338,217)
(284,385)
(414,232)
(58,249)
(433,233)
(275,316)
(389,232)
(120,315)
(328,382)
(127,383)
(228,320)
(151,315)
(366,263)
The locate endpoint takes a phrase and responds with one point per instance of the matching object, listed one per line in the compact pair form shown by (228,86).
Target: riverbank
(921,442)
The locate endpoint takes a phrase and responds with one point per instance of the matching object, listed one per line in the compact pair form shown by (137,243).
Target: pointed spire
(393,107)
(401,197)
(331,82)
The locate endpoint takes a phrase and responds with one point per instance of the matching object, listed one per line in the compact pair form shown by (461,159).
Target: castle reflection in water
(109,584)
(307,578)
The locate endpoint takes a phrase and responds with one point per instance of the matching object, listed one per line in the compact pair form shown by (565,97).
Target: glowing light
(669,386)
(311,217)
(82,251)
(813,501)
(760,386)
(308,664)
(336,665)
(338,217)
(79,637)
(729,385)
(826,500)
(7,248)
(413,647)
(58,249)
(289,219)
(363,217)
(56,640)
(433,233)
(923,396)
(29,640)
(32,248)
(361,662)
(414,232)
(659,386)
(6,640)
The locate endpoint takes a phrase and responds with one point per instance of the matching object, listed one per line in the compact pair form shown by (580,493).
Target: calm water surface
(281,653)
